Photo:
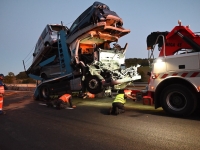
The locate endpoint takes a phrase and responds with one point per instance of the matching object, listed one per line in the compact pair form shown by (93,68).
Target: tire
(47,44)
(178,100)
(45,92)
(44,76)
(93,84)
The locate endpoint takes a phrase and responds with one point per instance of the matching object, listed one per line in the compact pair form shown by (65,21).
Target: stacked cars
(87,45)
(46,46)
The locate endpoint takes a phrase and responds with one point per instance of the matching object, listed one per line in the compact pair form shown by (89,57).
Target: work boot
(2,112)
(121,111)
(62,106)
(117,111)
(110,111)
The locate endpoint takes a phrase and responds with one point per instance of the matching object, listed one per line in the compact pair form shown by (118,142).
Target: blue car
(98,12)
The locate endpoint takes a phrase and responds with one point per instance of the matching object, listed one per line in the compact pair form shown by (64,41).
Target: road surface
(29,125)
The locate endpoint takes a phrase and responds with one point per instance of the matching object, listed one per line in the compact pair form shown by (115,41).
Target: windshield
(56,27)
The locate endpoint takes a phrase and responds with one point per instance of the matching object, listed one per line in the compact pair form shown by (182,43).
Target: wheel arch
(169,81)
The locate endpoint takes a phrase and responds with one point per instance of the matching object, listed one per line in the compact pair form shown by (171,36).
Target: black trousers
(119,106)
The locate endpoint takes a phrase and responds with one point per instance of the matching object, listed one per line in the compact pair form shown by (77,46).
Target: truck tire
(45,92)
(178,100)
(93,84)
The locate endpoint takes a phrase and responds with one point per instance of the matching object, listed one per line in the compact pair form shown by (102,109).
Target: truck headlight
(158,60)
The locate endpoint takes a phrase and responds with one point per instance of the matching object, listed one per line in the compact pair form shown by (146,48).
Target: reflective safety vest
(1,97)
(2,89)
(120,99)
(65,98)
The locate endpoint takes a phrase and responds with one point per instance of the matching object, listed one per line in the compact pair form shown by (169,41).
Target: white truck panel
(186,66)
(182,62)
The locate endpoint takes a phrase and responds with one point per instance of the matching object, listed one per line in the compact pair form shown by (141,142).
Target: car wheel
(47,44)
(44,76)
(93,84)
(45,92)
(178,100)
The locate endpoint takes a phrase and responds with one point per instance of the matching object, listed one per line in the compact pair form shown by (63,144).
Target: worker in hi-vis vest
(118,103)
(1,94)
(64,101)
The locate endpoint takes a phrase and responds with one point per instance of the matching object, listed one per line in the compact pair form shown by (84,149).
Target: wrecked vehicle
(100,64)
(96,13)
(86,61)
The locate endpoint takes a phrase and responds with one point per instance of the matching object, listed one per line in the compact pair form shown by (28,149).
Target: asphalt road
(28,125)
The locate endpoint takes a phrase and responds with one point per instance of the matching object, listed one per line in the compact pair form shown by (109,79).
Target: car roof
(54,24)
(91,8)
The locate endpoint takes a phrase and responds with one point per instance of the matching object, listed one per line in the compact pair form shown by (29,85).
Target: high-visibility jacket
(120,99)
(2,89)
(1,97)
(65,98)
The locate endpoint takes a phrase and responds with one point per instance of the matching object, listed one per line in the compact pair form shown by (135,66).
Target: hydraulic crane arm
(190,42)
(181,37)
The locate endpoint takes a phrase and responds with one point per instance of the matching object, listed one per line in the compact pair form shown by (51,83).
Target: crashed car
(98,64)
(101,65)
(97,15)
(86,55)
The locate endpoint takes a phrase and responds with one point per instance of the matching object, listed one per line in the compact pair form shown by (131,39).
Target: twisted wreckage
(81,57)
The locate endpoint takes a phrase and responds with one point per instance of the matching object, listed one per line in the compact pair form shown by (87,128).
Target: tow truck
(174,82)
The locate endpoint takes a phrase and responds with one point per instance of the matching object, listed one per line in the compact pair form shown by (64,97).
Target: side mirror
(34,54)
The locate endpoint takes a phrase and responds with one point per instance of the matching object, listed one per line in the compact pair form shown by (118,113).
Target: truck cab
(174,82)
